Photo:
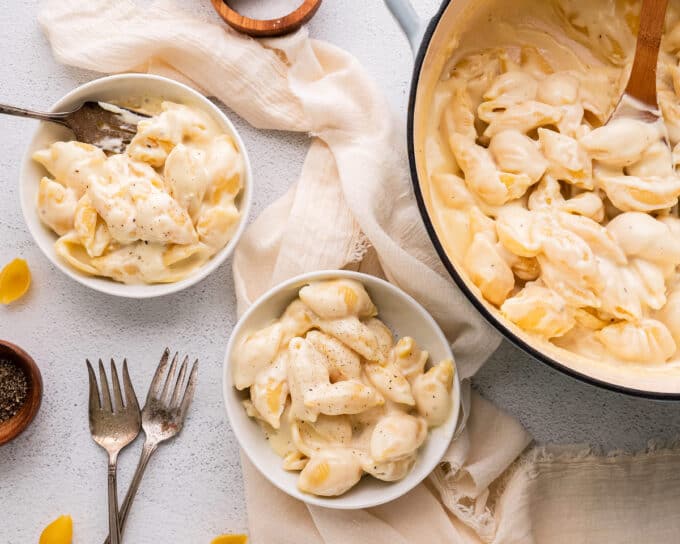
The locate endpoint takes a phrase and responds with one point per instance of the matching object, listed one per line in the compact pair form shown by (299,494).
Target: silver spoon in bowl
(105,125)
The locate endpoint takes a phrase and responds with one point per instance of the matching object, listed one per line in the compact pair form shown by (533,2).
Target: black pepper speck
(13,389)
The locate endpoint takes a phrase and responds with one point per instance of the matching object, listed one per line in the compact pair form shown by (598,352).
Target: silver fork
(98,123)
(162,417)
(113,426)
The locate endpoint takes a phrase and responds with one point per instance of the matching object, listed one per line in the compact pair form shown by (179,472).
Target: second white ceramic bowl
(405,317)
(119,88)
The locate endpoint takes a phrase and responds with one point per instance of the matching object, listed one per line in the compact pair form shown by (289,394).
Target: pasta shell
(390,382)
(488,271)
(326,432)
(383,335)
(481,175)
(255,352)
(641,235)
(15,279)
(567,160)
(620,142)
(539,310)
(224,169)
(516,153)
(599,239)
(307,372)
(631,193)
(295,461)
(648,341)
(330,473)
(656,161)
(432,392)
(409,358)
(344,397)
(71,163)
(515,231)
(186,178)
(571,287)
(91,230)
(508,89)
(397,436)
(354,334)
(71,249)
(56,205)
(296,320)
(558,89)
(524,118)
(270,391)
(336,299)
(216,225)
(343,363)
(389,471)
(129,197)
(157,135)
(459,117)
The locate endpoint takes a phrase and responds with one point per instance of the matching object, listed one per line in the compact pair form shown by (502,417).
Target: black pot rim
(457,278)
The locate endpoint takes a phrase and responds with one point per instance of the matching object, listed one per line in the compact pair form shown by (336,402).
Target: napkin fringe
(571,454)
(478,512)
(472,511)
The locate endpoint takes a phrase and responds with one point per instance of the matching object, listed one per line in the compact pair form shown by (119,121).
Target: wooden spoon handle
(642,80)
(267,27)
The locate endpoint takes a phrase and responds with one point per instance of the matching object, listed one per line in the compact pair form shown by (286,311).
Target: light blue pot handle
(408,20)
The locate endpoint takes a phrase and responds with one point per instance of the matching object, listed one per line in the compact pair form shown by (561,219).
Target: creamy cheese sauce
(567,227)
(335,395)
(153,214)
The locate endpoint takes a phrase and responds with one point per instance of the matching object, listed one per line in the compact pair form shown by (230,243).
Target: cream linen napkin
(352,207)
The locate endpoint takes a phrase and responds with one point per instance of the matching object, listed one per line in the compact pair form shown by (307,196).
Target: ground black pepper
(13,388)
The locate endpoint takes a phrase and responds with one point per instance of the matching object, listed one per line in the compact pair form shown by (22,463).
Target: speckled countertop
(193,491)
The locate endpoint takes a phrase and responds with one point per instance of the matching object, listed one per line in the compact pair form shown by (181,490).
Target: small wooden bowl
(267,27)
(15,425)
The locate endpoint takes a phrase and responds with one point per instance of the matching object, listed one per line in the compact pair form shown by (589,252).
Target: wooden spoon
(639,97)
(267,27)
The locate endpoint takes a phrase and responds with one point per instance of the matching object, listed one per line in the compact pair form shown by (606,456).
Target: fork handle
(41,115)
(147,451)
(114,528)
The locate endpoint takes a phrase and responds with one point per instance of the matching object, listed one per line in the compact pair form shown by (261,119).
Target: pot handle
(408,20)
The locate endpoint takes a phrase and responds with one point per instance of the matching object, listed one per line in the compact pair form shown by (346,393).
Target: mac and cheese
(153,214)
(336,396)
(565,223)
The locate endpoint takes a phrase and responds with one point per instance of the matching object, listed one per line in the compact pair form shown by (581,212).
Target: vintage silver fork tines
(114,423)
(163,416)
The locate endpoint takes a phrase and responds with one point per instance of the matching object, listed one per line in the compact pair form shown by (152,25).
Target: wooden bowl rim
(267,27)
(17,424)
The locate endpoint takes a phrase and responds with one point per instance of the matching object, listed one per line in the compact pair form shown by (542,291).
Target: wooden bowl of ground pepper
(20,390)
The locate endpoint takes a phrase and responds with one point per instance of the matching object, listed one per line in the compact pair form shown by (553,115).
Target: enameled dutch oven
(431,43)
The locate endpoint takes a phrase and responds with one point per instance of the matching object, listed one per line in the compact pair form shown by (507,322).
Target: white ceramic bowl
(120,87)
(405,317)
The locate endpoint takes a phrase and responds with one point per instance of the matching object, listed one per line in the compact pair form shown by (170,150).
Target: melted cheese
(345,400)
(561,222)
(153,214)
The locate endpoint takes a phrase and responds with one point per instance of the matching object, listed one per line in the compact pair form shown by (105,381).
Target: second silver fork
(163,416)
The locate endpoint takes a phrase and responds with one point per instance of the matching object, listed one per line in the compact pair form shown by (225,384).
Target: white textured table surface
(193,489)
